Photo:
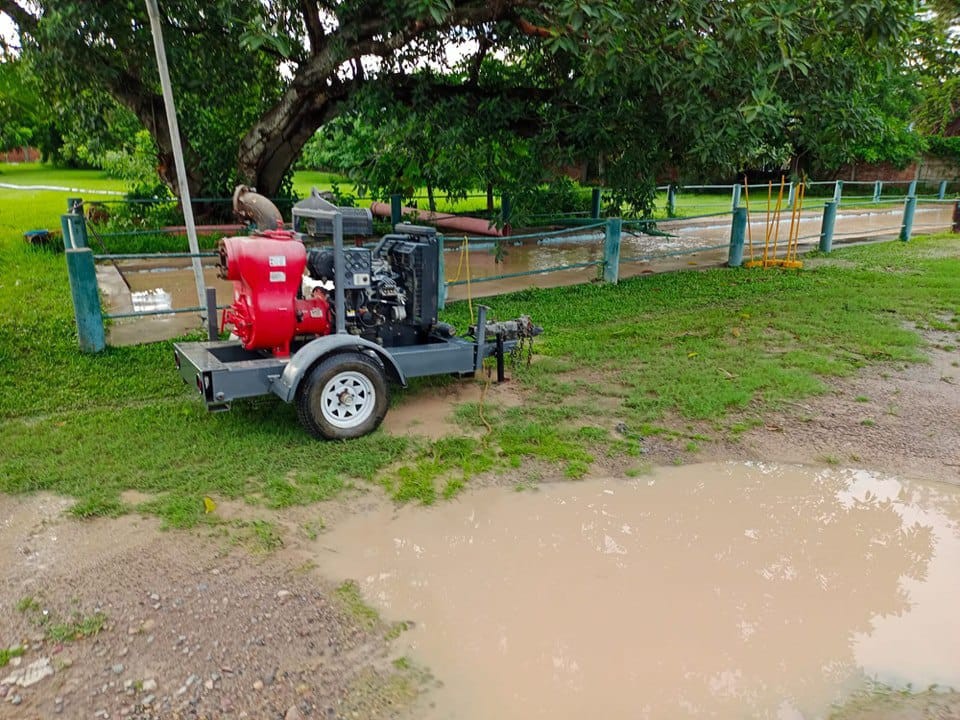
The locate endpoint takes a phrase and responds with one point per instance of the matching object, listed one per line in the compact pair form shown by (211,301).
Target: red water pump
(267,312)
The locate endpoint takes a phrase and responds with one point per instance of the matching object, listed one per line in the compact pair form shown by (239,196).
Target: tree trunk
(431,200)
(270,147)
(490,207)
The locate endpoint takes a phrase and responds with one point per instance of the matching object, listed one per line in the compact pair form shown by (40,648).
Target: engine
(390,291)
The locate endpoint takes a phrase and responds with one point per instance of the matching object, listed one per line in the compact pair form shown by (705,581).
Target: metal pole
(738,230)
(441,276)
(339,274)
(791,195)
(506,209)
(942,190)
(909,208)
(86,299)
(395,210)
(171,109)
(877,190)
(213,330)
(595,204)
(826,228)
(735,199)
(611,251)
(912,189)
(671,201)
(838,191)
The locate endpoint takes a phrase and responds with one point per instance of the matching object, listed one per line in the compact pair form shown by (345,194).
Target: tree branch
(25,21)
(311,15)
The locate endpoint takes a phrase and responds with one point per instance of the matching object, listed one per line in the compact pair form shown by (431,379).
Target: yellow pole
(776,214)
(766,240)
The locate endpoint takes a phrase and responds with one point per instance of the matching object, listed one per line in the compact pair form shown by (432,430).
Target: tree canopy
(450,92)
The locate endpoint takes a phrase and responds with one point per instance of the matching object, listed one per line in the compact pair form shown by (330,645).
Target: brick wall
(20,155)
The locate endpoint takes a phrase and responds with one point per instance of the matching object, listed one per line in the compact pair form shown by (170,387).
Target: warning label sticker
(278,261)
(278,276)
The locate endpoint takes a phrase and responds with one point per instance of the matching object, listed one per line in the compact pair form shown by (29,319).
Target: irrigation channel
(717,590)
(551,259)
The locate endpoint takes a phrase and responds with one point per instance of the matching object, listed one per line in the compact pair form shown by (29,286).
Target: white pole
(177,149)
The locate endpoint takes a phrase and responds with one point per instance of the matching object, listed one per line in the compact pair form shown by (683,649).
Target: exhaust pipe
(255,208)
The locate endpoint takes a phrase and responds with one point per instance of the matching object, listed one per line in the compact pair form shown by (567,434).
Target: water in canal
(718,590)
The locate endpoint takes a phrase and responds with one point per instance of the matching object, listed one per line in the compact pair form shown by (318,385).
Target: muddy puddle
(720,590)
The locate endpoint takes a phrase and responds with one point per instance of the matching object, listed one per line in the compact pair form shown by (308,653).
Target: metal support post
(213,329)
(671,200)
(506,209)
(826,228)
(942,190)
(182,185)
(912,189)
(735,197)
(86,299)
(441,276)
(395,209)
(595,203)
(611,251)
(837,191)
(74,231)
(791,194)
(500,369)
(909,208)
(738,231)
(877,190)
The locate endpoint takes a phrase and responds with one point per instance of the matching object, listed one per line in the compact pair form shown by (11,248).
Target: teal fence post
(738,231)
(909,208)
(912,189)
(611,251)
(671,201)
(877,190)
(86,299)
(942,190)
(826,228)
(74,229)
(395,209)
(595,203)
(441,276)
(837,191)
(506,209)
(735,197)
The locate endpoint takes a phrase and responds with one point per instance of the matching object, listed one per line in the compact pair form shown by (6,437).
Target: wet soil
(225,631)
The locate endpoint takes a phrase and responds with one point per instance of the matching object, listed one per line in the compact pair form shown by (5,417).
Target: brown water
(692,243)
(720,590)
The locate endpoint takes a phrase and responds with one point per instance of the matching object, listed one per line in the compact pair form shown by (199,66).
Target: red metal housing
(267,271)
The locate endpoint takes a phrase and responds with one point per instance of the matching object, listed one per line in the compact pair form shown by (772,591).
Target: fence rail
(611,245)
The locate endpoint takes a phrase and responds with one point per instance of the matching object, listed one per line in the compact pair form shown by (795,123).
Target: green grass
(7,653)
(350,599)
(682,355)
(56,629)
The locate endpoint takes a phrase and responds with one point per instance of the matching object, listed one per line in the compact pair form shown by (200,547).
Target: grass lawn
(685,354)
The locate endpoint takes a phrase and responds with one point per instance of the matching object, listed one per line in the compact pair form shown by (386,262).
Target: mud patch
(430,411)
(717,590)
(177,625)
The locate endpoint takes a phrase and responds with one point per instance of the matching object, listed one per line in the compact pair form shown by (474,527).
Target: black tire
(343,396)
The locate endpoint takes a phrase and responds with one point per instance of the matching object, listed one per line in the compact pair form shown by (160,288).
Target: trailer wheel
(344,396)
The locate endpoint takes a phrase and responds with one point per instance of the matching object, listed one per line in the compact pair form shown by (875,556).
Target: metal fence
(577,249)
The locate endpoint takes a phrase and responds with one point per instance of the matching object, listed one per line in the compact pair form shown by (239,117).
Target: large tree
(639,84)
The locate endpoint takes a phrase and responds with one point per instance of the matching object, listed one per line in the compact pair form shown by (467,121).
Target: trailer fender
(285,386)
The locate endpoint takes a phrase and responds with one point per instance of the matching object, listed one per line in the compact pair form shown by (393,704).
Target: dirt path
(200,625)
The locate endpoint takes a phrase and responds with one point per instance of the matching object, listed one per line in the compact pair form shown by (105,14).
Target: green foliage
(7,653)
